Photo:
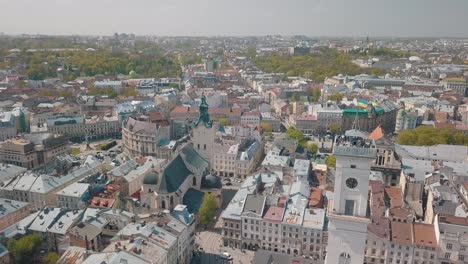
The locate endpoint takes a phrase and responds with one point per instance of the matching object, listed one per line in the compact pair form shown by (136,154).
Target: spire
(204,115)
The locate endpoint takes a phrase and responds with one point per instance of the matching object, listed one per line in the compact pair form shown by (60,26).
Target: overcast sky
(417,18)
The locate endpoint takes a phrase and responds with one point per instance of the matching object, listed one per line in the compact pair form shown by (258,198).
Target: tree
(207,209)
(296,134)
(315,94)
(337,97)
(326,62)
(428,136)
(223,122)
(312,148)
(335,129)
(25,248)
(266,127)
(295,97)
(50,258)
(330,161)
(128,92)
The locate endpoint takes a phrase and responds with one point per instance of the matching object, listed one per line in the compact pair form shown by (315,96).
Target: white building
(251,118)
(348,209)
(236,160)
(70,197)
(115,85)
(41,189)
(130,174)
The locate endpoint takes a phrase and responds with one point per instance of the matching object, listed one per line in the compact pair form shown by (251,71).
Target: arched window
(171,201)
(345,258)
(194,181)
(163,204)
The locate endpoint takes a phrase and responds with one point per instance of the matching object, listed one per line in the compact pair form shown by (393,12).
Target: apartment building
(236,160)
(12,211)
(266,213)
(41,189)
(7,125)
(33,150)
(78,128)
(140,137)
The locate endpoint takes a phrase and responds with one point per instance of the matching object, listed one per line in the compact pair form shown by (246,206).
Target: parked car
(226,255)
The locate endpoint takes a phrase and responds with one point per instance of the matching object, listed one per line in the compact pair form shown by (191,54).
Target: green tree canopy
(50,258)
(312,148)
(296,134)
(337,97)
(325,62)
(335,129)
(207,209)
(25,249)
(428,136)
(315,94)
(223,121)
(330,161)
(266,127)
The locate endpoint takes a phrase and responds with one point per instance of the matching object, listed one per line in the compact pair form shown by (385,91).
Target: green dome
(211,182)
(151,178)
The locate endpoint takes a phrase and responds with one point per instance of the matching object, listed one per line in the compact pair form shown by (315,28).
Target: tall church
(355,153)
(204,132)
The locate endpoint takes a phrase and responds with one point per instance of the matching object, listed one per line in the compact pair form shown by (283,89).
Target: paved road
(211,242)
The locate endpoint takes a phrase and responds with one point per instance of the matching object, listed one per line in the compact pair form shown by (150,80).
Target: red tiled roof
(156,116)
(395,195)
(400,212)
(183,109)
(454,220)
(98,202)
(315,198)
(274,213)
(377,133)
(424,235)
(402,233)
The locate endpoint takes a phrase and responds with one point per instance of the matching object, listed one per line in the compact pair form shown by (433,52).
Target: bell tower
(204,132)
(354,153)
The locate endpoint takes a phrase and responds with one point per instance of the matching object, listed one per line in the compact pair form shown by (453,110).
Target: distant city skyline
(333,18)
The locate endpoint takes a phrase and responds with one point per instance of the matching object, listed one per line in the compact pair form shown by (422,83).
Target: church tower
(204,132)
(355,153)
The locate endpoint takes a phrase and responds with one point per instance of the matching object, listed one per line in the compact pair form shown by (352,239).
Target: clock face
(351,183)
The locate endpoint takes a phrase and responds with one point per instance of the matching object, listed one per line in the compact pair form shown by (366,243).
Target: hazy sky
(237,17)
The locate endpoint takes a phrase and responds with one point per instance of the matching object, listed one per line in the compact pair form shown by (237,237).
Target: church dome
(151,178)
(210,182)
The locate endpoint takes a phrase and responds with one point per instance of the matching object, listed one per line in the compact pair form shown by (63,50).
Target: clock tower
(354,154)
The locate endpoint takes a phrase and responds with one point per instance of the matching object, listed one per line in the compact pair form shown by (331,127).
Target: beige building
(129,176)
(452,236)
(236,159)
(307,124)
(143,138)
(33,150)
(456,84)
(41,189)
(401,242)
(78,128)
(70,197)
(12,211)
